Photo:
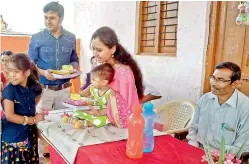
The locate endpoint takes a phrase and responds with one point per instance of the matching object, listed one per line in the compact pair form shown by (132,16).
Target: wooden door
(227,41)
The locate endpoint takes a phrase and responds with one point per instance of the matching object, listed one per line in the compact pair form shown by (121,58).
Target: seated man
(223,111)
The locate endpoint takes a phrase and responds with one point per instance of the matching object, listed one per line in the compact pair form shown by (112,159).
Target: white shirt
(149,89)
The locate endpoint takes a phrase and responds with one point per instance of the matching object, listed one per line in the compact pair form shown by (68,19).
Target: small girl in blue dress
(19,99)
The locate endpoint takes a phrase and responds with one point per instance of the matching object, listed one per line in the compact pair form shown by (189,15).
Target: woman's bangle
(25,121)
(33,120)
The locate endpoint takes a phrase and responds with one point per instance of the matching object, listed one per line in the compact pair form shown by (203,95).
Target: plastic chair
(176,116)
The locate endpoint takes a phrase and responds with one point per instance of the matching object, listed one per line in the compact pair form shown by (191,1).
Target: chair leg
(181,135)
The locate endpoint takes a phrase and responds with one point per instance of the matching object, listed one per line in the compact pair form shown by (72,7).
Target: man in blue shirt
(222,112)
(50,49)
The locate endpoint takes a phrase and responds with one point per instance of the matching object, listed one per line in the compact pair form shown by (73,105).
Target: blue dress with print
(19,142)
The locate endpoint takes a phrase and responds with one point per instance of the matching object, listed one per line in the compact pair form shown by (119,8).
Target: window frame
(139,28)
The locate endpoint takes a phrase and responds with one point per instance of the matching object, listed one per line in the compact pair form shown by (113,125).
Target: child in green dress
(100,91)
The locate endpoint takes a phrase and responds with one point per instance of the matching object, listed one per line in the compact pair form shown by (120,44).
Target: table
(168,150)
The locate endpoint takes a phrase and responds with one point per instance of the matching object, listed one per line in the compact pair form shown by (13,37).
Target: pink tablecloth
(168,150)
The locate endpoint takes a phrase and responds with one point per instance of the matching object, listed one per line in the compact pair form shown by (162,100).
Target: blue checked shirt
(51,53)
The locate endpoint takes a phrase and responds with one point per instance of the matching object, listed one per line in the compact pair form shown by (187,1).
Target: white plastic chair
(176,116)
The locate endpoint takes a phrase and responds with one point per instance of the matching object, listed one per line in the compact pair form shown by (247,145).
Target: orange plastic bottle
(136,123)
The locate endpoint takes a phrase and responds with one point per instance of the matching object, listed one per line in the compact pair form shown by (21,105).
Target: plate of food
(76,100)
(80,103)
(67,72)
(62,72)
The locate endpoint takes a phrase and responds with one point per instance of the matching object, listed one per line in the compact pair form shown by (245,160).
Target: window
(157,27)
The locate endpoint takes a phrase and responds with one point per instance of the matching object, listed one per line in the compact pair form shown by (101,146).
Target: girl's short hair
(104,71)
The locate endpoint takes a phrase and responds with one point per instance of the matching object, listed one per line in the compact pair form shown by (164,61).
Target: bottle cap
(148,106)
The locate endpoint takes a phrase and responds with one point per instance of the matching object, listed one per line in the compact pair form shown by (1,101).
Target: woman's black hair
(110,39)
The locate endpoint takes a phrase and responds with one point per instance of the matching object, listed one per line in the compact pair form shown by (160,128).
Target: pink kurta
(126,94)
(124,83)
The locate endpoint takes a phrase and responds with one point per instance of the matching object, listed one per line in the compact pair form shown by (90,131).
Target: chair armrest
(245,157)
(181,135)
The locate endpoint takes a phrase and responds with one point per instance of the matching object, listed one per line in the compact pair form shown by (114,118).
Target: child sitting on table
(110,102)
(99,90)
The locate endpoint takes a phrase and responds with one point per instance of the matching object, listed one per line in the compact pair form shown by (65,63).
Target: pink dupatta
(123,96)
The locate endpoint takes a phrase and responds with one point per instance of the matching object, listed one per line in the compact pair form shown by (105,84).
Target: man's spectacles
(213,78)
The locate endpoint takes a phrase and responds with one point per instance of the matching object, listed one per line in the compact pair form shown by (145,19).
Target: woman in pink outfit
(127,82)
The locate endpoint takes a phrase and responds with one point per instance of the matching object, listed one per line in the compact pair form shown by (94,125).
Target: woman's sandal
(47,155)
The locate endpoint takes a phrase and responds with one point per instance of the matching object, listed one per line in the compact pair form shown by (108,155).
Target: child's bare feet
(82,123)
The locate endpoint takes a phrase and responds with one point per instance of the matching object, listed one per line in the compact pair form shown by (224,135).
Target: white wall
(175,77)
(26,16)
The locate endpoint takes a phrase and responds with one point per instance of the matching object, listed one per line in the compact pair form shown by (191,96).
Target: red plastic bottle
(136,123)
